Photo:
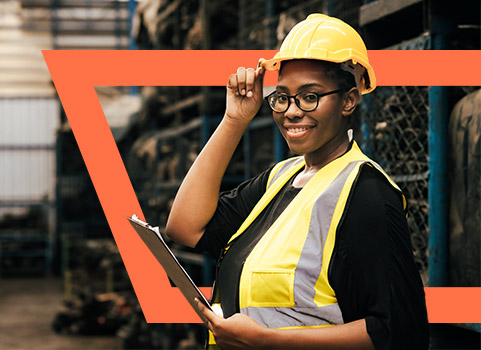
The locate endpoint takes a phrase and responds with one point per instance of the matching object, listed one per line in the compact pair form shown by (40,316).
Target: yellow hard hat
(325,38)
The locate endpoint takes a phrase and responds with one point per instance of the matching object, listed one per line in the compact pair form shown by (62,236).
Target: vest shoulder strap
(281,167)
(280,174)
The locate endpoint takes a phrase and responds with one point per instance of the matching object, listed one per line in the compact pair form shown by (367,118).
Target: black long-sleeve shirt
(372,269)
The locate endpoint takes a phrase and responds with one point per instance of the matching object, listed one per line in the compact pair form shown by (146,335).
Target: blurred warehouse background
(56,249)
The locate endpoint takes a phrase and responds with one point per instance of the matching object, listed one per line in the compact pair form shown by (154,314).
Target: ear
(351,98)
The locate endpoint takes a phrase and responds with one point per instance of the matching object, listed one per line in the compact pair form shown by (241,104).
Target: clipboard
(154,241)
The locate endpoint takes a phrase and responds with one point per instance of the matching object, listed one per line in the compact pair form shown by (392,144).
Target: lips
(295,131)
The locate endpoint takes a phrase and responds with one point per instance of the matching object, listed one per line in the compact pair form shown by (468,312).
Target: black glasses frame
(319,96)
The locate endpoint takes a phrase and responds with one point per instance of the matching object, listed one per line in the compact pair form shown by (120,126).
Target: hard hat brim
(275,64)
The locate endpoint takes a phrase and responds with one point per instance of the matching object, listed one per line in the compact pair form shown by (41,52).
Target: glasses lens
(308,101)
(278,102)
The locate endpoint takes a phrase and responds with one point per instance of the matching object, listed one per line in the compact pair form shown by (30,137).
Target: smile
(298,131)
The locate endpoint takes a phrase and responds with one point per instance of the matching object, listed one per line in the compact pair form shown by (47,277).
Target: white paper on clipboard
(154,241)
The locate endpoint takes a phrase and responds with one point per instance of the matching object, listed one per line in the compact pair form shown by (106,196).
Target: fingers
(245,80)
(211,317)
(241,80)
(232,84)
(250,79)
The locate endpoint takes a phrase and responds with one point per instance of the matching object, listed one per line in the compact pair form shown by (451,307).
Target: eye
(310,97)
(282,98)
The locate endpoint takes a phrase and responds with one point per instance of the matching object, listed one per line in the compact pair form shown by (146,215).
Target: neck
(326,154)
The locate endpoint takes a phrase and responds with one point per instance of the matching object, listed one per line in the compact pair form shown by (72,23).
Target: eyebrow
(302,87)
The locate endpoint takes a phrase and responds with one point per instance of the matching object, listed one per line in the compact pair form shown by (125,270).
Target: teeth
(297,130)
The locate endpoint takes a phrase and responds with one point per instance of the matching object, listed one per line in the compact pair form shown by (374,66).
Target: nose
(293,111)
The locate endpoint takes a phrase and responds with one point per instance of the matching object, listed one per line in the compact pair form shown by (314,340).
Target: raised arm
(196,200)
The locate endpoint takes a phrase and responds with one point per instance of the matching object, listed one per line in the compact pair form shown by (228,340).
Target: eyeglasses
(306,101)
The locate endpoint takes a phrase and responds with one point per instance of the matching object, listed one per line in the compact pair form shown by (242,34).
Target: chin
(300,151)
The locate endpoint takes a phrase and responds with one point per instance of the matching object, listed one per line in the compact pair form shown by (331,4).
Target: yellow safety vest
(284,282)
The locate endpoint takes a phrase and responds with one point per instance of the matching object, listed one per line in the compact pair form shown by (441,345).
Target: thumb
(210,316)
(259,61)
(260,72)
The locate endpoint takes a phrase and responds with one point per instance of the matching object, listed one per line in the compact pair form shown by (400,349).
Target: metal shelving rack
(409,130)
(28,118)
(80,25)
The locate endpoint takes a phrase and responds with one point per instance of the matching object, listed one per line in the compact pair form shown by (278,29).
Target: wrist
(236,123)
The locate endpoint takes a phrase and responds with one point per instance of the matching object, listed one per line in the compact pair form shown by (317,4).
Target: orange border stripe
(75,73)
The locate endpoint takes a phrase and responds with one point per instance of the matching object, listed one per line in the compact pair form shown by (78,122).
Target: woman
(315,252)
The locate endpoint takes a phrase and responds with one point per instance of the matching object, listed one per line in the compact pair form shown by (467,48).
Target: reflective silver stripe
(310,262)
(290,163)
(306,313)
(281,317)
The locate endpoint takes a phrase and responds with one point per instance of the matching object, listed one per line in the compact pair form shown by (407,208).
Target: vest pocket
(270,288)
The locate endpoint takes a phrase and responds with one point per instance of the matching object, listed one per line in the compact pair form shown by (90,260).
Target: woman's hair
(333,72)
(344,80)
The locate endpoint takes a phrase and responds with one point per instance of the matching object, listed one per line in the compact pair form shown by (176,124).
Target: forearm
(196,199)
(350,336)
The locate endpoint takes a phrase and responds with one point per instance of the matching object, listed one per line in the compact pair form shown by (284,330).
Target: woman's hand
(244,93)
(242,332)
(236,332)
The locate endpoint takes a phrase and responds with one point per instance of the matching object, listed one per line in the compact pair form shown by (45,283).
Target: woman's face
(317,131)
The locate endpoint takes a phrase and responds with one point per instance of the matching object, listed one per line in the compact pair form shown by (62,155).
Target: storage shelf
(20,249)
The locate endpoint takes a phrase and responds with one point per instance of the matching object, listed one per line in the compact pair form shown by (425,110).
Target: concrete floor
(27,308)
